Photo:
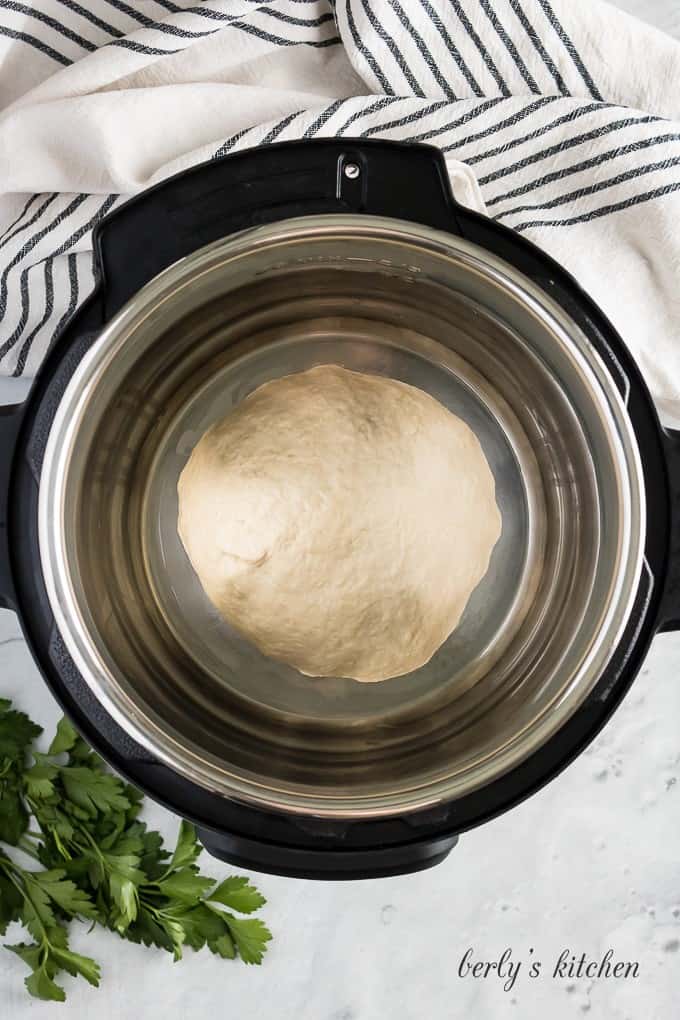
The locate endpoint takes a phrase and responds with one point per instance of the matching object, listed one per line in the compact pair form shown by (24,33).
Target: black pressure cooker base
(407,182)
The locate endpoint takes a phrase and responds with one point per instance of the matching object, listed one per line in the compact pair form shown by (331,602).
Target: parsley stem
(21,886)
(23,889)
(47,830)
(6,864)
(93,844)
(28,848)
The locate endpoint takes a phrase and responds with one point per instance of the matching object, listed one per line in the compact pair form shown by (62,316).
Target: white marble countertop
(589,864)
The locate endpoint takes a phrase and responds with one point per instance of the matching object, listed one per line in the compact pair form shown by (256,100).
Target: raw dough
(340,521)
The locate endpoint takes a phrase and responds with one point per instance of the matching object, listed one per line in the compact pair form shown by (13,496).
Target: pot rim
(145,730)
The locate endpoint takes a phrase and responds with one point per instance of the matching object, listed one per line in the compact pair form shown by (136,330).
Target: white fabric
(565,110)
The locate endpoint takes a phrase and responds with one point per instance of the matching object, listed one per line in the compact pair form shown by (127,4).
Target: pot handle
(10,422)
(272,182)
(326,864)
(669,614)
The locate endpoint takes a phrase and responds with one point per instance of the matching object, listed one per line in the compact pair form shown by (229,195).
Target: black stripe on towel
(571,49)
(382,32)
(164,27)
(21,215)
(593,189)
(19,328)
(46,19)
(281,126)
(566,118)
(227,146)
(605,210)
(465,119)
(37,44)
(510,121)
(323,118)
(586,164)
(49,308)
(452,48)
(290,19)
(366,110)
(36,216)
(409,118)
(149,22)
(244,26)
(483,50)
(72,5)
(365,52)
(538,46)
(23,285)
(175,30)
(181,33)
(207,12)
(423,49)
(152,51)
(73,301)
(567,143)
(261,8)
(30,244)
(509,45)
(137,16)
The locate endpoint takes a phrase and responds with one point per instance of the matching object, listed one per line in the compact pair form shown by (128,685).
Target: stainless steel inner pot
(380,296)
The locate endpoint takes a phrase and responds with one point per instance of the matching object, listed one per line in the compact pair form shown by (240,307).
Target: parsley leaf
(40,781)
(250,936)
(122,876)
(93,791)
(36,913)
(202,926)
(76,964)
(224,947)
(47,957)
(39,983)
(17,733)
(65,893)
(185,885)
(237,892)
(145,929)
(153,855)
(29,952)
(174,931)
(65,737)
(99,863)
(13,814)
(11,902)
(187,848)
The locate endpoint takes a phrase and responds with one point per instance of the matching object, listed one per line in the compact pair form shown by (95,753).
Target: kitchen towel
(560,117)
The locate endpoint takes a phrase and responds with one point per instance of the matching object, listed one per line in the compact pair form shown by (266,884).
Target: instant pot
(269,262)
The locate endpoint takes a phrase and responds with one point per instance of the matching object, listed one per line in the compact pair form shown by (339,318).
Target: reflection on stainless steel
(376,296)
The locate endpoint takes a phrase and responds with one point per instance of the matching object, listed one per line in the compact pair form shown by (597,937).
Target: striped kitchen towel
(567,112)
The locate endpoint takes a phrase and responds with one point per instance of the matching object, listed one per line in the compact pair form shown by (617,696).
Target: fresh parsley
(95,861)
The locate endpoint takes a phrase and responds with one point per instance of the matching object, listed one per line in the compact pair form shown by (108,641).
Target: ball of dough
(340,521)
